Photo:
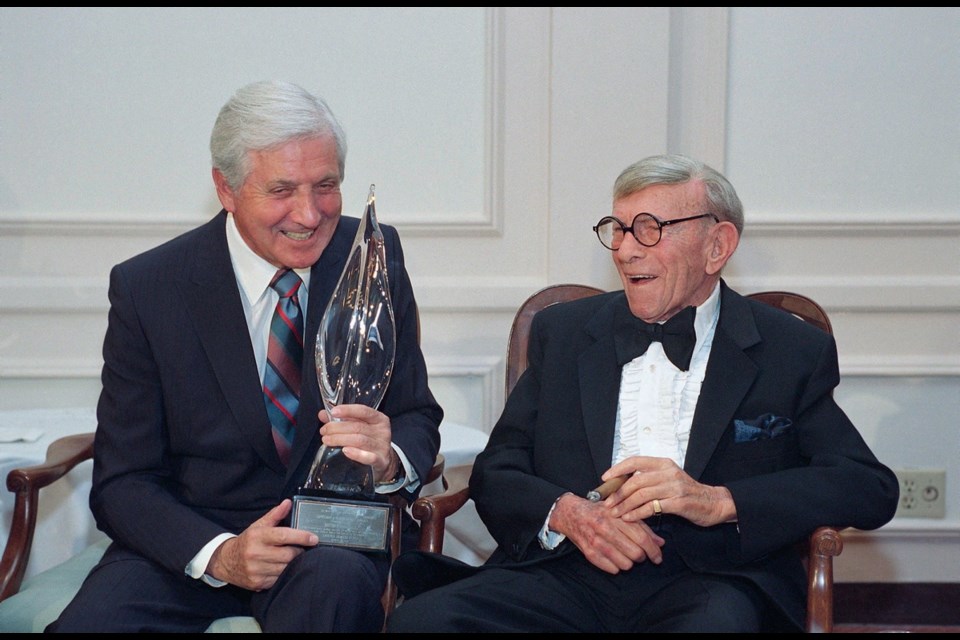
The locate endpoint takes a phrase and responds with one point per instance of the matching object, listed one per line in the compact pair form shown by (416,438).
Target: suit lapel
(730,373)
(212,297)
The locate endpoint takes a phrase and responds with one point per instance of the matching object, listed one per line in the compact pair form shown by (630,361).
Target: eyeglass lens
(646,229)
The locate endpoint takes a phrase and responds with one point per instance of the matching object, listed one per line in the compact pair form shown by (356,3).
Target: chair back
(520,330)
(797,304)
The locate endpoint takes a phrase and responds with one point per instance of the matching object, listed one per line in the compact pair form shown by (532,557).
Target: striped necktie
(281,381)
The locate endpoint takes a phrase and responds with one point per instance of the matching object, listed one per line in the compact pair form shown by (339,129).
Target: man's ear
(224,192)
(724,239)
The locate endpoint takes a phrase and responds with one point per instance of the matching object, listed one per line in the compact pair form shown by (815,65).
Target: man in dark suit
(189,480)
(715,410)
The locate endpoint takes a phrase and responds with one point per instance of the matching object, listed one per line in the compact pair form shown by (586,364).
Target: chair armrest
(432,511)
(389,597)
(25,483)
(825,544)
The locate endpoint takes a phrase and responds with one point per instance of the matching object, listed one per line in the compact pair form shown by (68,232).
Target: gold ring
(656,507)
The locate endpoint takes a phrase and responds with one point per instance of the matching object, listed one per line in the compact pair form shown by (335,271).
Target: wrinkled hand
(365,435)
(254,559)
(607,541)
(676,493)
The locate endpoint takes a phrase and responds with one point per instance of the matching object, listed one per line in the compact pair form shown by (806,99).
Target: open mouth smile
(298,235)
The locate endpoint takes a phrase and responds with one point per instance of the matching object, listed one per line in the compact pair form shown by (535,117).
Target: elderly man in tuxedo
(205,431)
(715,411)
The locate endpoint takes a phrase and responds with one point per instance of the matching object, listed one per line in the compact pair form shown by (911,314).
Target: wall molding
(887,366)
(854,294)
(489,221)
(485,223)
(488,368)
(832,224)
(106,224)
(917,366)
(866,367)
(58,368)
(909,530)
(925,293)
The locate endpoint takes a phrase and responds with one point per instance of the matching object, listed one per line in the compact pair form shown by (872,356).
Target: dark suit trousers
(324,589)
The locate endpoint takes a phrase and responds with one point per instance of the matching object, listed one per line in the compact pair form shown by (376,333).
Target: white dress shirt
(657,400)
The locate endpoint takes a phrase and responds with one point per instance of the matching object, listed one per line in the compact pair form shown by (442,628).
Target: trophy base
(362,525)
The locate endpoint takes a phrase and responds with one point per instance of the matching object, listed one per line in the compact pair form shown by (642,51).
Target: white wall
(494,136)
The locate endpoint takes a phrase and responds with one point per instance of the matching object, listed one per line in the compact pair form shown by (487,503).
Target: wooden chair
(62,456)
(823,545)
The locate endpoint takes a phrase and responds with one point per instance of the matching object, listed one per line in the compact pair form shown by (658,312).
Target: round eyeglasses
(646,228)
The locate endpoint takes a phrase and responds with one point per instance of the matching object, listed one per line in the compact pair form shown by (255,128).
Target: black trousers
(569,595)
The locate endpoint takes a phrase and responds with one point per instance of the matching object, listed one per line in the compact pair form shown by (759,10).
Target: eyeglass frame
(660,225)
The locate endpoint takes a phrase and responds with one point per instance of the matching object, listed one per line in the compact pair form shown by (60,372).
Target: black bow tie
(632,336)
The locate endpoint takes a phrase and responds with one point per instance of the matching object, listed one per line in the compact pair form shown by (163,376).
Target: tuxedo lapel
(730,373)
(599,376)
(213,300)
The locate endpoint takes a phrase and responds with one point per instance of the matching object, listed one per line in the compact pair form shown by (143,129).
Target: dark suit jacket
(557,428)
(183,449)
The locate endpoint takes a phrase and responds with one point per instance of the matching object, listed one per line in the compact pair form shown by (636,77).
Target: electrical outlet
(922,493)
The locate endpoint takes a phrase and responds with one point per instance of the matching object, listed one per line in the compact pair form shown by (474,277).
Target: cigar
(608,487)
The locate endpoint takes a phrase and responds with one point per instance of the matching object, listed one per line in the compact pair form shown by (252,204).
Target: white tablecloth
(65,525)
(465,535)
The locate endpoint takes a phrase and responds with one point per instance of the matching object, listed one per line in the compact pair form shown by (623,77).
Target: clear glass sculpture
(355,353)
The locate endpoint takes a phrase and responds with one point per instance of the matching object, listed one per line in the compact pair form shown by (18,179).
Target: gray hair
(677,169)
(267,114)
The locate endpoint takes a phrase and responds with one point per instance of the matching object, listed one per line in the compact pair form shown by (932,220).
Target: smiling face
(683,268)
(289,206)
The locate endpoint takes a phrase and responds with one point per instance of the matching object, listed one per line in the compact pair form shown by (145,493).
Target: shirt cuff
(409,479)
(550,540)
(197,567)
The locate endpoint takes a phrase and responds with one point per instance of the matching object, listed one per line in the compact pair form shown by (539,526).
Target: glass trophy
(355,352)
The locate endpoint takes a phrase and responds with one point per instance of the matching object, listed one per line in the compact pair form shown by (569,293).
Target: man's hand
(607,541)
(365,435)
(254,559)
(658,484)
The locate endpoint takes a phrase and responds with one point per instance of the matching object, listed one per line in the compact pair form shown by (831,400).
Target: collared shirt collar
(707,317)
(253,272)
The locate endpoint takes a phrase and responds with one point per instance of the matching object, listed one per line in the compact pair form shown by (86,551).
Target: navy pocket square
(760,428)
